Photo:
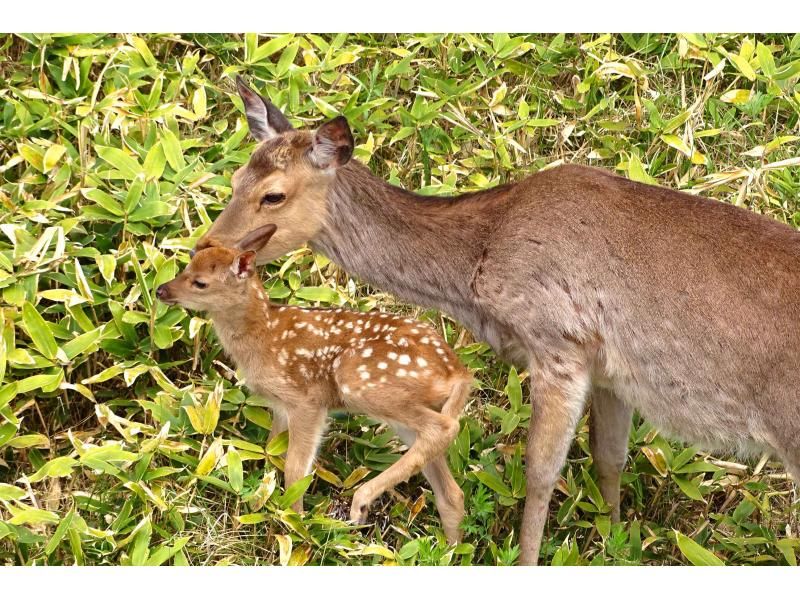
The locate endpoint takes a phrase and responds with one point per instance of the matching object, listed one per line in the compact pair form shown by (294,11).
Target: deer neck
(422,249)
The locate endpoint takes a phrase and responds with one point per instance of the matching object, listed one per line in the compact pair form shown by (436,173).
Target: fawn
(613,293)
(311,361)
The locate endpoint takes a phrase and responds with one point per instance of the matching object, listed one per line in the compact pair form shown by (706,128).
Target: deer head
(217,277)
(285,182)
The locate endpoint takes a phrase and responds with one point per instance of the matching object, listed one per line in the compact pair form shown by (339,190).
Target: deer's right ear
(333,144)
(264,119)
(244,265)
(255,240)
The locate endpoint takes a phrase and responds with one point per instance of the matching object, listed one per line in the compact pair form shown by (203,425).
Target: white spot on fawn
(421,362)
(425,340)
(402,342)
(367,352)
(365,375)
(392,355)
(382,365)
(404,360)
(401,373)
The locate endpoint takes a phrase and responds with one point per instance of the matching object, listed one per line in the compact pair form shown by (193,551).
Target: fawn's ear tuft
(256,239)
(264,119)
(244,265)
(333,144)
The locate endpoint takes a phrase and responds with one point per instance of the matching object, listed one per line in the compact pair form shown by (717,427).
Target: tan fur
(311,361)
(631,295)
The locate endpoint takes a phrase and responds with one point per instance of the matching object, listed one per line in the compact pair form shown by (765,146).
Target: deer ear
(255,240)
(244,265)
(264,119)
(333,144)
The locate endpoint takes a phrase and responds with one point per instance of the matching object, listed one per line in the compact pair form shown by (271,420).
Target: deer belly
(695,411)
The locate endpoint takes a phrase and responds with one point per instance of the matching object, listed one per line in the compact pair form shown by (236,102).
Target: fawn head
(217,278)
(285,182)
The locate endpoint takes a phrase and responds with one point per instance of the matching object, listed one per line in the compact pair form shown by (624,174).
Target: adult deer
(636,296)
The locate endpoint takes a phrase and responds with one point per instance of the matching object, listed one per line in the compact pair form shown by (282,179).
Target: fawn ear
(333,144)
(265,120)
(255,240)
(244,264)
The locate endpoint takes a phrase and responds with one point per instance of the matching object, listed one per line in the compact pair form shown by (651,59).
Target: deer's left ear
(333,144)
(264,119)
(244,265)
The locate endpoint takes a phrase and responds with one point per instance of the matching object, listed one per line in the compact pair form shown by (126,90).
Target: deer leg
(434,432)
(610,425)
(558,401)
(306,426)
(446,492)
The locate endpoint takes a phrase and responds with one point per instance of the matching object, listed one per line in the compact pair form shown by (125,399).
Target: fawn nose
(162,292)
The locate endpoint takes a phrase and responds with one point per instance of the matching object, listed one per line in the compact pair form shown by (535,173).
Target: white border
(400,16)
(402,582)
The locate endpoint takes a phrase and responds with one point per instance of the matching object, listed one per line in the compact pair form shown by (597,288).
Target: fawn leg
(610,425)
(280,422)
(305,432)
(448,495)
(434,432)
(558,402)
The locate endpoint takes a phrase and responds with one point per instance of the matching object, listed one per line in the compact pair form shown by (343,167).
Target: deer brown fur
(614,293)
(311,361)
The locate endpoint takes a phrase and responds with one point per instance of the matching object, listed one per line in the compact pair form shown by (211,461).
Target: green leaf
(258,416)
(696,554)
(294,492)
(172,150)
(736,96)
(124,163)
(39,331)
(321,294)
(235,474)
(494,482)
(60,532)
(59,467)
(688,487)
(30,516)
(9,492)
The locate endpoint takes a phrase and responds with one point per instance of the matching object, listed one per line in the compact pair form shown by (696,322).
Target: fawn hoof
(360,508)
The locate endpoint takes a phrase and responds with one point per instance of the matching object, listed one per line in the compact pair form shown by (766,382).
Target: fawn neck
(242,327)
(423,249)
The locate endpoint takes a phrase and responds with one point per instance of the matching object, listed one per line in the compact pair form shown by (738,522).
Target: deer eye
(273,198)
(200,284)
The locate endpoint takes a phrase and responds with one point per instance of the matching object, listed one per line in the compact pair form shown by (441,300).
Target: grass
(124,436)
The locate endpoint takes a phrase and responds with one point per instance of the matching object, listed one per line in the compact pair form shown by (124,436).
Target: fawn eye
(200,284)
(273,198)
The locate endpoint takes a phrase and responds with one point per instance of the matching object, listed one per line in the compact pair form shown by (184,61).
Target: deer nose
(162,292)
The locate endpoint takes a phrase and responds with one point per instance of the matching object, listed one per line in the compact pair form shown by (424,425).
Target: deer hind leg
(609,428)
(448,495)
(306,426)
(434,432)
(558,398)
